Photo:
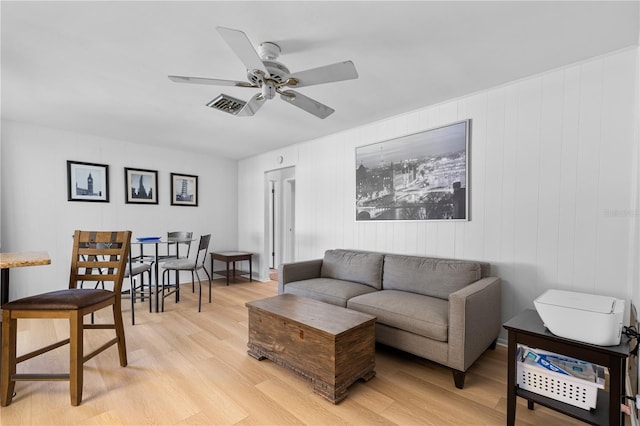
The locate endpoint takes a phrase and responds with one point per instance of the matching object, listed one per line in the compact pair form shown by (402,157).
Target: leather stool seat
(62,300)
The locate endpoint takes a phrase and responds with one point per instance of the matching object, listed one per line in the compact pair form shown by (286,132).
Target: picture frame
(140,186)
(184,190)
(87,182)
(421,176)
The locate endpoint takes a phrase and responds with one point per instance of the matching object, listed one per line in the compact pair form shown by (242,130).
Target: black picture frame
(184,190)
(87,182)
(140,186)
(421,176)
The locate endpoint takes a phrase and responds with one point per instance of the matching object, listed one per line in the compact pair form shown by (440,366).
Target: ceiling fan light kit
(270,77)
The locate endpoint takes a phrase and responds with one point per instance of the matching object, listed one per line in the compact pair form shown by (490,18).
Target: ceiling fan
(271,77)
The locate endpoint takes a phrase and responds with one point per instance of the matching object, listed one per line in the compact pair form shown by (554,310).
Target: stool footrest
(40,351)
(39,377)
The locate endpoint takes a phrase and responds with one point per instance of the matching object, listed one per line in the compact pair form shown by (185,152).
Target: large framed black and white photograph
(141,186)
(87,182)
(422,176)
(184,190)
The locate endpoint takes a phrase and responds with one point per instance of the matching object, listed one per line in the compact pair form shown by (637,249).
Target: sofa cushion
(328,290)
(428,276)
(358,267)
(422,315)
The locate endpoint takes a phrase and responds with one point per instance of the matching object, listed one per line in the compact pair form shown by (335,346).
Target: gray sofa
(445,310)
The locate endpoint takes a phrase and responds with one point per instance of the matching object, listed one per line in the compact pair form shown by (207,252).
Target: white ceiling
(101,68)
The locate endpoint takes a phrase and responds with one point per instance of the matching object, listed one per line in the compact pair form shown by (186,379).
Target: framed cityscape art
(184,190)
(422,176)
(140,186)
(87,182)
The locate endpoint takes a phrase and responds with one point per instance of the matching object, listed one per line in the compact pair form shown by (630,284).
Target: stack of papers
(559,364)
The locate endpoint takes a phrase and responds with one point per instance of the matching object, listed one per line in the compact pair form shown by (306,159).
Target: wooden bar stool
(97,256)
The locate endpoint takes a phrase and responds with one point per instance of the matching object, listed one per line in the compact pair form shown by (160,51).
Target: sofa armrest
(474,321)
(298,271)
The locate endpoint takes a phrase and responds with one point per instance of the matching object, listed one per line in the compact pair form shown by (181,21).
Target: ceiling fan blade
(242,47)
(306,103)
(213,81)
(327,74)
(253,105)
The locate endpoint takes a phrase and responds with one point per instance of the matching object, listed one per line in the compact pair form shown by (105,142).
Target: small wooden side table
(528,329)
(232,257)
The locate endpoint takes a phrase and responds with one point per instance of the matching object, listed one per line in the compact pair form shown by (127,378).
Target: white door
(289,220)
(280,216)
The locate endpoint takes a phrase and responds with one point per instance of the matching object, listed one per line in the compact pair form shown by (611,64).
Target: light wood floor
(192,368)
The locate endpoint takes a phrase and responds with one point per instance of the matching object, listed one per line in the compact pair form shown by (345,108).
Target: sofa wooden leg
(458,378)
(493,344)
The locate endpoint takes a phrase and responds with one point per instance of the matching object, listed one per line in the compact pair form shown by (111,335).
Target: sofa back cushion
(359,267)
(429,276)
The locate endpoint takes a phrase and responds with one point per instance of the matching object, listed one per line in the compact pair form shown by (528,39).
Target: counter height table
(17,260)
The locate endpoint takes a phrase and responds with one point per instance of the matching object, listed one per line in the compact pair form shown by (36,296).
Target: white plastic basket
(568,389)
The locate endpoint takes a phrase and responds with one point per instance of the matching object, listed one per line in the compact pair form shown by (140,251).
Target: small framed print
(87,182)
(141,186)
(184,190)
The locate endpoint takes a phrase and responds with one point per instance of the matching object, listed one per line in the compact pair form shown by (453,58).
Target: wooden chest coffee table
(329,345)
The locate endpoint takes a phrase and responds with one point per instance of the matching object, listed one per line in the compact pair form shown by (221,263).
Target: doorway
(279,217)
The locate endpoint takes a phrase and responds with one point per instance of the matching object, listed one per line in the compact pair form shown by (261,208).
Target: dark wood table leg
(4,294)
(227,271)
(250,270)
(511,379)
(4,286)
(616,390)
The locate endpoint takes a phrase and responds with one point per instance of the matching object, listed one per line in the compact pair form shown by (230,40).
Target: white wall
(36,215)
(553,185)
(636,243)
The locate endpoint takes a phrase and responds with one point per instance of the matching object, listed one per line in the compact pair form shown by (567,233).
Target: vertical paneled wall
(635,274)
(552,188)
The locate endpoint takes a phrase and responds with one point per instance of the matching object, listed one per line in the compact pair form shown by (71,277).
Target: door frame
(279,214)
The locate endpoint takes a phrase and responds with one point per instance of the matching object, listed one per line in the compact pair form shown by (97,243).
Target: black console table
(528,329)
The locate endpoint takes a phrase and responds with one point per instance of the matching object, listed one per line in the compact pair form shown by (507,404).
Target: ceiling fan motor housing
(277,71)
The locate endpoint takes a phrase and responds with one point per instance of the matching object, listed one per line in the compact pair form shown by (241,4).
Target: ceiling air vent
(227,103)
